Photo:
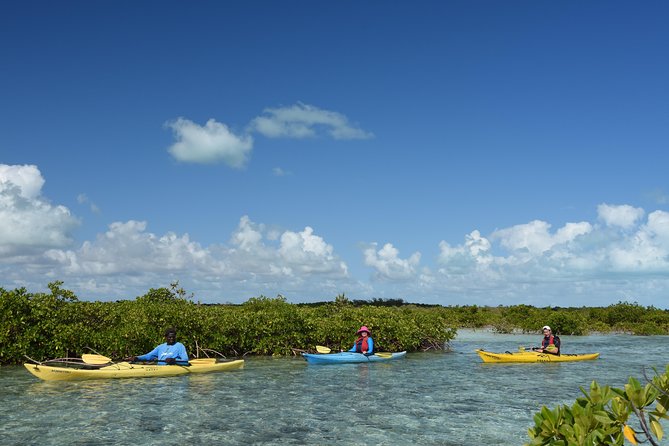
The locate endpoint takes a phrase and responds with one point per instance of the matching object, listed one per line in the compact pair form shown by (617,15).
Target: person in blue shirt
(171,352)
(364,344)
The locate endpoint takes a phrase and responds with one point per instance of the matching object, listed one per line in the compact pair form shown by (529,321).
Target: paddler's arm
(151,356)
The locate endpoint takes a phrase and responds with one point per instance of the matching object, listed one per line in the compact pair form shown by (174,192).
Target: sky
(443,152)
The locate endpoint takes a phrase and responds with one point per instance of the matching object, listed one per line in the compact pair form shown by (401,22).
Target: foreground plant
(602,416)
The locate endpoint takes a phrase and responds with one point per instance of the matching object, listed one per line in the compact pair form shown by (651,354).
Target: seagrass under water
(425,399)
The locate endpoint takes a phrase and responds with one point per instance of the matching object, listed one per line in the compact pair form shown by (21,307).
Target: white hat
(546,327)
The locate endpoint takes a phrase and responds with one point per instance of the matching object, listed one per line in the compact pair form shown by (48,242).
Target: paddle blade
(202,361)
(95,359)
(321,349)
(384,354)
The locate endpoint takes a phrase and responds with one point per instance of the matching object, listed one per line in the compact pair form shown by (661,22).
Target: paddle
(203,361)
(96,359)
(522,348)
(102,360)
(89,358)
(322,349)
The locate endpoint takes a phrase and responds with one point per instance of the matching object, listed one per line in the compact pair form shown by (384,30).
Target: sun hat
(363,328)
(546,327)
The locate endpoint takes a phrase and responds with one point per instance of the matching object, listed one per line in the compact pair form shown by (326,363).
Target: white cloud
(285,253)
(657,228)
(248,237)
(387,263)
(132,258)
(209,144)
(309,253)
(534,238)
(475,251)
(646,249)
(579,259)
(126,248)
(304,121)
(623,216)
(279,172)
(215,142)
(83,199)
(27,178)
(28,222)
(622,256)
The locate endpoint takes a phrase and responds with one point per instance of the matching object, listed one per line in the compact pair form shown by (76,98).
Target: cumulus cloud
(308,253)
(623,216)
(83,199)
(26,178)
(387,263)
(646,250)
(475,251)
(625,255)
(304,121)
(215,142)
(28,222)
(535,238)
(287,253)
(127,248)
(248,236)
(209,144)
(255,260)
(578,247)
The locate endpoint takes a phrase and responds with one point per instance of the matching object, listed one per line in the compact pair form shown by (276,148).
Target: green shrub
(44,326)
(601,417)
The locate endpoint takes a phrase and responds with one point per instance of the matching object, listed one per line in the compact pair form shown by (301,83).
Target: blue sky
(451,152)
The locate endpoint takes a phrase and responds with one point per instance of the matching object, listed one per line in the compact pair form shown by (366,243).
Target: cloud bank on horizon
(623,255)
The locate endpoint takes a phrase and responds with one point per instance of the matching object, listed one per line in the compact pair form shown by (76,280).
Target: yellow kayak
(531,356)
(128,370)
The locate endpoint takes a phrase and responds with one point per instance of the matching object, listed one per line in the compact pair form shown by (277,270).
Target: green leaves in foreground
(602,416)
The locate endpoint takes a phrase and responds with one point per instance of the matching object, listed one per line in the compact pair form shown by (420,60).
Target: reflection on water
(425,399)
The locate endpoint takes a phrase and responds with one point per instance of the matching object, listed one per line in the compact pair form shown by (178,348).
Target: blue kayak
(349,357)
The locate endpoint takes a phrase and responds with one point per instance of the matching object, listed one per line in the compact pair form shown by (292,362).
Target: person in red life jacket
(550,343)
(364,344)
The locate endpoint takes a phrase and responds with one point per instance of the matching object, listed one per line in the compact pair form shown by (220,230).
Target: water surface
(424,399)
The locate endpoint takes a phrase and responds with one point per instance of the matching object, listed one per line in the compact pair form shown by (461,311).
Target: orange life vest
(361,344)
(550,342)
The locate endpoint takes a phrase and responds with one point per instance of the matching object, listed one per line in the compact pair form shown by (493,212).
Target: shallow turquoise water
(424,399)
